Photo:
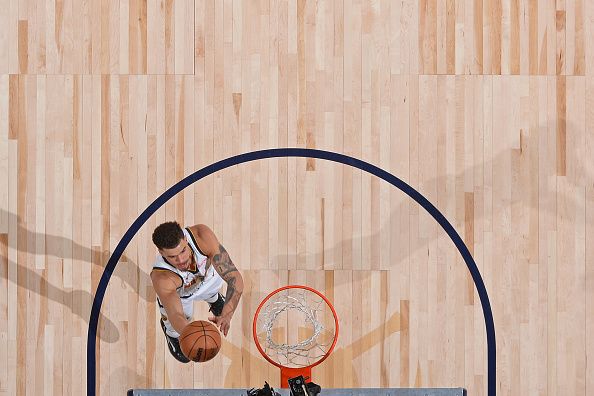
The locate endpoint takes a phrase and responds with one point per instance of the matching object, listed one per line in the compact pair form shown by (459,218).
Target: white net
(295,327)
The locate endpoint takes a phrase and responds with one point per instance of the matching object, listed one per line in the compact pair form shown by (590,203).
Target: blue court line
(291,152)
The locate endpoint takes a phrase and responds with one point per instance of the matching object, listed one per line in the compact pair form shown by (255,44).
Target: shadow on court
(78,301)
(509,193)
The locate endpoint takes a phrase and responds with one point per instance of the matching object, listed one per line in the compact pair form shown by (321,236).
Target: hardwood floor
(483,106)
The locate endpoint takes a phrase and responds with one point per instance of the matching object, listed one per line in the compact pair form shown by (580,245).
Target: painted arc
(291,152)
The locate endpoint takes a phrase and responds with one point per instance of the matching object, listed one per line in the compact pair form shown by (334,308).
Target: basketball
(200,341)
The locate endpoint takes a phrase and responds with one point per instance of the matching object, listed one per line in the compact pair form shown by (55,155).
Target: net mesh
(295,327)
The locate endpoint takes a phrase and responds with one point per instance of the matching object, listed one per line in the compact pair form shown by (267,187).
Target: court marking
(292,152)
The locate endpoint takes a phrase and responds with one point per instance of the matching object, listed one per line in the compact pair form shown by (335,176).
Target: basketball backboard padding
(325,392)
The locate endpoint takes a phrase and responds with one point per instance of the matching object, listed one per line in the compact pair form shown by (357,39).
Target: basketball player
(191,266)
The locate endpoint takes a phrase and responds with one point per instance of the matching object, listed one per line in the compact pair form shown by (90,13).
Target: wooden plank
(588,31)
(4,163)
(5,42)
(402,14)
(561,25)
(40,182)
(441,28)
(479,37)
(4,358)
(589,268)
(534,11)
(13,64)
(23,46)
(12,269)
(428,37)
(155,38)
(184,37)
(561,117)
(514,37)
(524,39)
(52,31)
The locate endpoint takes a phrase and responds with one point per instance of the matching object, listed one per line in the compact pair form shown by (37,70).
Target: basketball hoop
(295,328)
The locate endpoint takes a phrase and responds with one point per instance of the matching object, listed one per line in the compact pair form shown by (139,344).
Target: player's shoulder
(205,237)
(163,278)
(202,232)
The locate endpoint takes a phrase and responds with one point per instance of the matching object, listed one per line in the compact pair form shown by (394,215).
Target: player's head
(169,239)
(168,235)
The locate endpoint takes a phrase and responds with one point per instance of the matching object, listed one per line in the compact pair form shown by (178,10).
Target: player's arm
(166,284)
(225,267)
(220,260)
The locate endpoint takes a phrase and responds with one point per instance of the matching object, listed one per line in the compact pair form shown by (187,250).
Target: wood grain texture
(483,106)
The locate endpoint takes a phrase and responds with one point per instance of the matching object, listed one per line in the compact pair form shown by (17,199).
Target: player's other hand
(223,322)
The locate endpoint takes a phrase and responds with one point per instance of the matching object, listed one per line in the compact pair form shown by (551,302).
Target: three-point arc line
(292,152)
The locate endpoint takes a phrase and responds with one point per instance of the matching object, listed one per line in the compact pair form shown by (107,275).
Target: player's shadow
(533,186)
(78,301)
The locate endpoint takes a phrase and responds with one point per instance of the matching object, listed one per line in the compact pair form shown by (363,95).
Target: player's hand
(223,322)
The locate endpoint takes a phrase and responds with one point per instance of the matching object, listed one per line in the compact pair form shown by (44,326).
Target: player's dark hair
(168,235)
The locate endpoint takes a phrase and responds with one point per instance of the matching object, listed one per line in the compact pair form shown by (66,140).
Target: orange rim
(254,332)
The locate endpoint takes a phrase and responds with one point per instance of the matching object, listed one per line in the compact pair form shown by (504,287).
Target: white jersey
(199,282)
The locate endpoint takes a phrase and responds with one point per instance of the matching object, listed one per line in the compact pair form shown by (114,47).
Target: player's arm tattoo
(225,267)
